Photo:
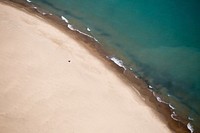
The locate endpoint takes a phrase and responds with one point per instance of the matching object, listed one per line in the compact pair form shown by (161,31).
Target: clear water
(158,39)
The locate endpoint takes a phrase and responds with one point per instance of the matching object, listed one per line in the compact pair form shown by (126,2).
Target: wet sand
(50,83)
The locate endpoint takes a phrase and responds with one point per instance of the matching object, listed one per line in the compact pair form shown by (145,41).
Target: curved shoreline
(162,109)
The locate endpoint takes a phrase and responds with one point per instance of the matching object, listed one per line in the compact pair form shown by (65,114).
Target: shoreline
(99,52)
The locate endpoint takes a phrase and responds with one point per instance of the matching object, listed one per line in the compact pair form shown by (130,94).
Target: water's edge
(163,109)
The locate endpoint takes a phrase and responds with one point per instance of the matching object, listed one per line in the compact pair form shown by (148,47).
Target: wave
(64,19)
(28,1)
(38,10)
(117,62)
(190,127)
(173,116)
(88,29)
(70,26)
(172,107)
(150,87)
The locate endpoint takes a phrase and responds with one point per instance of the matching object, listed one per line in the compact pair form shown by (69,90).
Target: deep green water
(158,39)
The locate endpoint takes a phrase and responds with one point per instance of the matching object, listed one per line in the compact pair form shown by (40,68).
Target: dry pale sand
(41,92)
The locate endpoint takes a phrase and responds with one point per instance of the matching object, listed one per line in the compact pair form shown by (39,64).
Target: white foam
(88,29)
(84,33)
(150,87)
(173,115)
(96,40)
(190,127)
(64,19)
(172,107)
(71,27)
(118,62)
(189,118)
(159,99)
(28,1)
(43,13)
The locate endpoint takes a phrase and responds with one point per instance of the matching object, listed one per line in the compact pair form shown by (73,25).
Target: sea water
(159,40)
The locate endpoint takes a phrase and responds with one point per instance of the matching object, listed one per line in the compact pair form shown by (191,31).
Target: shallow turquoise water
(158,39)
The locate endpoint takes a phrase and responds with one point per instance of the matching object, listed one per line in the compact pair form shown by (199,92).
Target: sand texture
(49,83)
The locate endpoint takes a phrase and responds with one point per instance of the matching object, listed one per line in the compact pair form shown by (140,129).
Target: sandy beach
(49,83)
